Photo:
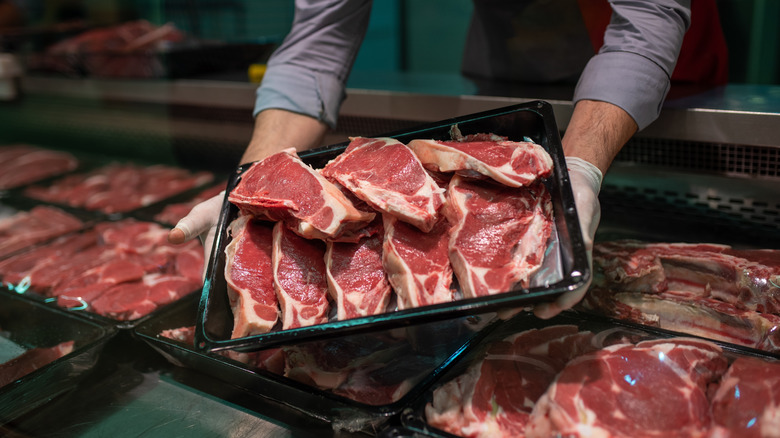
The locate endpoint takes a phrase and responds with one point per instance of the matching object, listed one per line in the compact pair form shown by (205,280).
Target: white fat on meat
(499,234)
(249,277)
(281,187)
(299,278)
(385,174)
(357,281)
(417,263)
(510,163)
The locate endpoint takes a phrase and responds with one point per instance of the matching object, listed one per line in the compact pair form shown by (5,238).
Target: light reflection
(736,392)
(631,381)
(752,422)
(20,288)
(661,356)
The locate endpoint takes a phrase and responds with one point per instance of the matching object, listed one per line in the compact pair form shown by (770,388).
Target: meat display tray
(427,351)
(566,263)
(413,421)
(25,324)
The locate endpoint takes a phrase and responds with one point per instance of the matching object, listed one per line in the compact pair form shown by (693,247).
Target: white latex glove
(200,222)
(585,183)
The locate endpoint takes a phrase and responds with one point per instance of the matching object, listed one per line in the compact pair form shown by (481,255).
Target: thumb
(200,219)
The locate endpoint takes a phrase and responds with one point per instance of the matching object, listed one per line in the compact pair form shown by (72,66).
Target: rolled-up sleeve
(633,68)
(307,74)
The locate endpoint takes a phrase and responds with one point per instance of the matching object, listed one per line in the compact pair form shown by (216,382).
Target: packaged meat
(357,382)
(44,352)
(23,164)
(579,375)
(708,290)
(39,224)
(535,228)
(119,187)
(119,270)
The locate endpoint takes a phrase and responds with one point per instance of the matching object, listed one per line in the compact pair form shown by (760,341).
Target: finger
(202,217)
(546,310)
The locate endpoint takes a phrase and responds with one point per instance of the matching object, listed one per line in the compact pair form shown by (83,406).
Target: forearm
(279,129)
(596,132)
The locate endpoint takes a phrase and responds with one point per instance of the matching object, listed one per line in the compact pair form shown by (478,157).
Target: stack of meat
(28,228)
(122,270)
(560,381)
(119,188)
(127,50)
(24,164)
(713,291)
(383,226)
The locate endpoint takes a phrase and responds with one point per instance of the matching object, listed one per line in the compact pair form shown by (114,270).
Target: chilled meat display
(496,396)
(117,188)
(24,164)
(32,360)
(283,188)
(249,275)
(566,380)
(653,388)
(39,224)
(713,291)
(385,173)
(499,236)
(122,270)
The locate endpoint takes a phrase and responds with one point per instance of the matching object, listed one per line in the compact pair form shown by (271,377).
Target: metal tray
(26,324)
(413,420)
(427,351)
(532,120)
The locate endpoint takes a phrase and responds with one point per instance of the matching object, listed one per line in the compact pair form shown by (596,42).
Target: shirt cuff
(627,80)
(300,90)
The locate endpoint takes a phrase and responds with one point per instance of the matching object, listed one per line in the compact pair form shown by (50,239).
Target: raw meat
(299,278)
(122,269)
(697,316)
(249,277)
(32,360)
(747,401)
(654,388)
(496,395)
(25,164)
(384,173)
(356,279)
(748,279)
(514,164)
(283,188)
(417,263)
(499,234)
(27,228)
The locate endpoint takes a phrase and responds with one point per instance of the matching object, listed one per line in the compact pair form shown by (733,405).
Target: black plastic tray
(413,420)
(532,120)
(30,325)
(439,343)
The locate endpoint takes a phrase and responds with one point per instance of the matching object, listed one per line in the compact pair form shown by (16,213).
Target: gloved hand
(585,183)
(200,222)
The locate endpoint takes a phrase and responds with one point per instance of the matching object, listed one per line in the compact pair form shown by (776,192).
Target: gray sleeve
(633,68)
(307,74)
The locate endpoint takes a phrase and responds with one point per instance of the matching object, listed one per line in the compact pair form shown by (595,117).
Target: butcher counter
(708,170)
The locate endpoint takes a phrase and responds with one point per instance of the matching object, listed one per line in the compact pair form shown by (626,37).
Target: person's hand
(585,183)
(200,222)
